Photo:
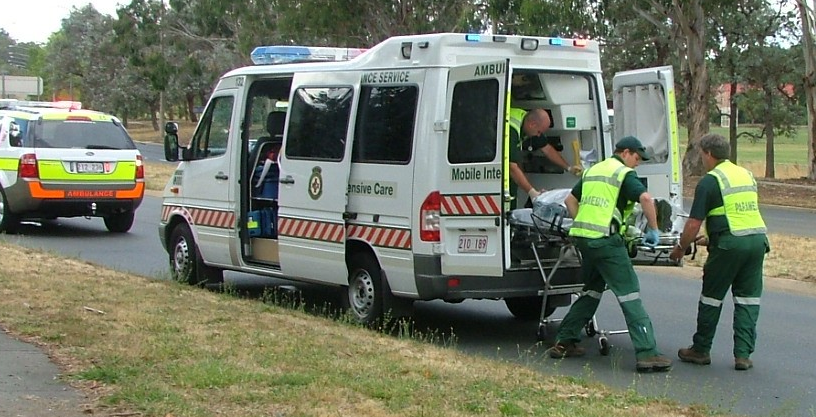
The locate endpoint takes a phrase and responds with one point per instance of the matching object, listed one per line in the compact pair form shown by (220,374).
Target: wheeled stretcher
(550,225)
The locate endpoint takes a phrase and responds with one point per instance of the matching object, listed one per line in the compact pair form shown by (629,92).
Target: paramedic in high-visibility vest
(527,130)
(726,199)
(599,205)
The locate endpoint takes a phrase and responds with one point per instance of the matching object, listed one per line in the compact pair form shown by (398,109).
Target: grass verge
(159,348)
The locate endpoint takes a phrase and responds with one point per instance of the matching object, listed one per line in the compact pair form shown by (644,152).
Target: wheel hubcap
(181,258)
(361,294)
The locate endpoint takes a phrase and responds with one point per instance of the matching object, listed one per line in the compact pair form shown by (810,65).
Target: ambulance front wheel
(185,260)
(8,220)
(119,222)
(364,297)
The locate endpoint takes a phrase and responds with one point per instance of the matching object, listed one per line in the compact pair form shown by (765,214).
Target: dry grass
(157,175)
(158,348)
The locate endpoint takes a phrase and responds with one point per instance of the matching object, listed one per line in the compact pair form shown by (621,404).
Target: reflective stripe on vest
(599,197)
(740,199)
(516,120)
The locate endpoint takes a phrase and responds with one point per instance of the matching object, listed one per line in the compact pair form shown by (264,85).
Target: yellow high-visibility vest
(740,199)
(599,196)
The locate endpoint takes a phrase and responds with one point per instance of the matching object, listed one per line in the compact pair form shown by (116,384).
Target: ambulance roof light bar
(284,54)
(62,104)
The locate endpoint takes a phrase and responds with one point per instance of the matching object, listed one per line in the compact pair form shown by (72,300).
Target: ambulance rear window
(85,134)
(473,122)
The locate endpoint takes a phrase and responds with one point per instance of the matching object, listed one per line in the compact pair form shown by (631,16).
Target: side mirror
(171,147)
(15,134)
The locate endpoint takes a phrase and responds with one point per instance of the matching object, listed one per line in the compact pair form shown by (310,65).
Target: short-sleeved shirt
(631,189)
(708,196)
(518,146)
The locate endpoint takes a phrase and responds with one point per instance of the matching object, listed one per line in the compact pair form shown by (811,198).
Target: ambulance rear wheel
(8,220)
(119,222)
(364,297)
(185,261)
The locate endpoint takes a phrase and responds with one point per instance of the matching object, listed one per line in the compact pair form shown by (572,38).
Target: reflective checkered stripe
(312,230)
(201,217)
(386,237)
(470,205)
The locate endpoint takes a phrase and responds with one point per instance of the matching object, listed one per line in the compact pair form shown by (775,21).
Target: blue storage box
(254,223)
(269,186)
(262,223)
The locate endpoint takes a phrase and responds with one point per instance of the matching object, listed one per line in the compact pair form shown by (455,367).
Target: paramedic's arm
(557,158)
(572,205)
(648,206)
(521,180)
(689,235)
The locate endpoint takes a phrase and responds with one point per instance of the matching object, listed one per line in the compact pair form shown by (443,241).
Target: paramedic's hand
(533,193)
(651,238)
(576,170)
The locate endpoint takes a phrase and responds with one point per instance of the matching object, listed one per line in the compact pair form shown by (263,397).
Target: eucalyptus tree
(809,80)
(739,28)
(78,61)
(773,70)
(364,23)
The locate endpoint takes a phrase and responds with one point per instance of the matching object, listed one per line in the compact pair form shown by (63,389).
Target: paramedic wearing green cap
(726,199)
(599,205)
(528,128)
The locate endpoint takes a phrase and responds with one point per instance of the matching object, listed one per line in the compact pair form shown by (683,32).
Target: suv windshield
(85,134)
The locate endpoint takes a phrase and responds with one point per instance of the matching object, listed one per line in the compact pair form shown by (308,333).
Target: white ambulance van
(387,175)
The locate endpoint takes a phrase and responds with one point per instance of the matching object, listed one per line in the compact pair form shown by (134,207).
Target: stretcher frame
(552,232)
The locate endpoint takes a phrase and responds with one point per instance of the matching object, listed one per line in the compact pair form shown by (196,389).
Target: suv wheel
(119,222)
(8,220)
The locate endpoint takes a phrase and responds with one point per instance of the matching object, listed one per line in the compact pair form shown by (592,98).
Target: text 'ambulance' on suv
(59,160)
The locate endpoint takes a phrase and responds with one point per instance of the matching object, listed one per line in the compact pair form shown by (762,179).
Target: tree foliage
(177,49)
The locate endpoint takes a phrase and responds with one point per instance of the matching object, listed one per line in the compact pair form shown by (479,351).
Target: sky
(36,20)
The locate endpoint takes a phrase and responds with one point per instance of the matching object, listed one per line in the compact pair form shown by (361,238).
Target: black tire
(363,298)
(527,308)
(185,261)
(119,222)
(8,220)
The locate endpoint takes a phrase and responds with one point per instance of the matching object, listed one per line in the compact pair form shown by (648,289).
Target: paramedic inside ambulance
(527,129)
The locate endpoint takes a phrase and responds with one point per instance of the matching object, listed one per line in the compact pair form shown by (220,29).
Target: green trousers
(733,262)
(606,264)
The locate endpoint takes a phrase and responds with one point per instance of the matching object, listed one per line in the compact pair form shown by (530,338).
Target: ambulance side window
(318,123)
(385,124)
(473,124)
(212,135)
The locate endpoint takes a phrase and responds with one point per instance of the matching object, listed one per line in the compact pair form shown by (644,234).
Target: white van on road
(387,175)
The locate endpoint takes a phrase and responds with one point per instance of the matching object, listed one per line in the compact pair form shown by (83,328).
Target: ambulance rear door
(471,226)
(644,105)
(314,175)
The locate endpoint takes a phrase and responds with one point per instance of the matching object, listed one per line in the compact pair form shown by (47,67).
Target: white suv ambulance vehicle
(387,175)
(58,160)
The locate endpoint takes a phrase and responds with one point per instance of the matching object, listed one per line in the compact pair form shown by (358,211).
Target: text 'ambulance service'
(385,172)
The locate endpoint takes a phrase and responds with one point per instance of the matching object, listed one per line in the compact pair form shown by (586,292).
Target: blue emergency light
(285,54)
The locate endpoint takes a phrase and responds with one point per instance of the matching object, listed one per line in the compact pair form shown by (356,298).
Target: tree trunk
(769,132)
(693,27)
(190,99)
(732,120)
(809,83)
(153,120)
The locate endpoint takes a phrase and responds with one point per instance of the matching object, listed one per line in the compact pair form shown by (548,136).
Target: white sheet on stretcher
(548,212)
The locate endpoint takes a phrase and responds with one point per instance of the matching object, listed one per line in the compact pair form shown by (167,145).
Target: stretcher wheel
(541,334)
(603,346)
(589,327)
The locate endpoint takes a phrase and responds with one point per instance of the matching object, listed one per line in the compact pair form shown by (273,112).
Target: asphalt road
(782,382)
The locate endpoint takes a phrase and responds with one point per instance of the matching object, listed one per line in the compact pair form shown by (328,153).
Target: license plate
(472,244)
(89,167)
